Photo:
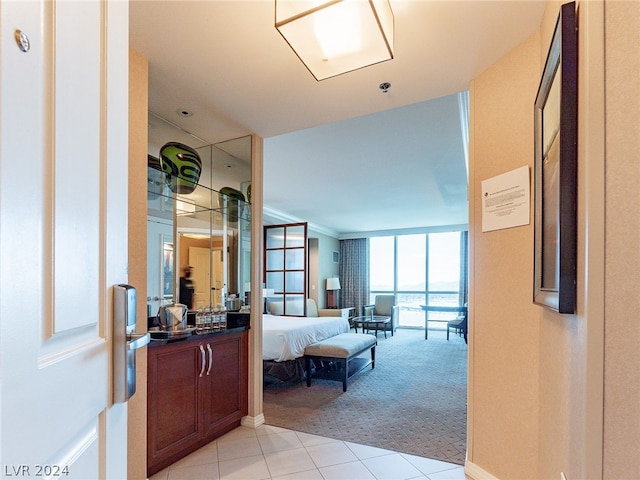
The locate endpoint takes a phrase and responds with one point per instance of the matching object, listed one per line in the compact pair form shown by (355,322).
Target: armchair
(384,305)
(314,311)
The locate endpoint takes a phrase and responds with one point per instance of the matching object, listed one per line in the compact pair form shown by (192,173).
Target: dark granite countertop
(191,334)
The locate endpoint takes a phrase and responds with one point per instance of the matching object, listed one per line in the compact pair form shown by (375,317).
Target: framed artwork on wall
(556,152)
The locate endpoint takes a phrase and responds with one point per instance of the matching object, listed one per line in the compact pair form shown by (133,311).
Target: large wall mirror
(207,229)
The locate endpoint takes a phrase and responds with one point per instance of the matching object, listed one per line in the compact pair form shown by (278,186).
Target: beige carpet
(414,401)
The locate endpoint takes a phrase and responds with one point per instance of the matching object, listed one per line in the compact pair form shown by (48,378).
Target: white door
(63,235)
(199,260)
(208,275)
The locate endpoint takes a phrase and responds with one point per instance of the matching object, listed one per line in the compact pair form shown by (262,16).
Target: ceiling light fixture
(337,36)
(384,86)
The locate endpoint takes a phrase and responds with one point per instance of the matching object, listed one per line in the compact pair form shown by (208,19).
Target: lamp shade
(333,283)
(333,37)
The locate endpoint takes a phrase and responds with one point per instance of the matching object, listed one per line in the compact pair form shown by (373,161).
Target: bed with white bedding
(285,338)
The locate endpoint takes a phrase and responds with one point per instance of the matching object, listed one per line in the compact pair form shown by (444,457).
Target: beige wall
(504,356)
(547,393)
(564,338)
(255,417)
(138,106)
(622,304)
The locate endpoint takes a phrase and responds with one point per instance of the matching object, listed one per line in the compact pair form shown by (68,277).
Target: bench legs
(348,367)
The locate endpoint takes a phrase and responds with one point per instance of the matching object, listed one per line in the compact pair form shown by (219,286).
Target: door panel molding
(63,233)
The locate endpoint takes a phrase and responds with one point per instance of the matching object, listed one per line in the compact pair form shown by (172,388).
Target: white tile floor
(279,454)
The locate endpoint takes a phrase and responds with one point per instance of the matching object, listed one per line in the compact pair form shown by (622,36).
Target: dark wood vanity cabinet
(196,391)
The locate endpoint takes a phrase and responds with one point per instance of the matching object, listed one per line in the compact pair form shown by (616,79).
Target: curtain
(354,273)
(464,268)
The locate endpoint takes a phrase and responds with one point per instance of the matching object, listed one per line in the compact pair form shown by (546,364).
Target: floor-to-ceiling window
(418,269)
(411,262)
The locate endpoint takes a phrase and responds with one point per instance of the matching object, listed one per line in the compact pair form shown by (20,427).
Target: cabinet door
(224,400)
(173,422)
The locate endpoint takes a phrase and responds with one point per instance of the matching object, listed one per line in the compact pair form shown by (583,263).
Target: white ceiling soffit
(401,169)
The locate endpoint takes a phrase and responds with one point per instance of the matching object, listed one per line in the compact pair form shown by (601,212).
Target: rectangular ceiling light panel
(339,36)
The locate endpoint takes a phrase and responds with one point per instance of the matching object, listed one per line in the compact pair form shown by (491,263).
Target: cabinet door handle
(204,360)
(210,359)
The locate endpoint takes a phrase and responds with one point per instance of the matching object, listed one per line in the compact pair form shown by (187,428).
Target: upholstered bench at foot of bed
(342,351)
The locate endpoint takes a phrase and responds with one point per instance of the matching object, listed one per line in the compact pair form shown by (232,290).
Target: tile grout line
(340,444)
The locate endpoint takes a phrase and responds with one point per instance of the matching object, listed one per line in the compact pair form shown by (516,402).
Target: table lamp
(333,292)
(266,293)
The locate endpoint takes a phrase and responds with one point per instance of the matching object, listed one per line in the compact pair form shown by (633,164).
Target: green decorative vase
(182,166)
(233,208)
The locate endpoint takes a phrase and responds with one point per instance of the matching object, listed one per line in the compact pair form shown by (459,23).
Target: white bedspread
(284,338)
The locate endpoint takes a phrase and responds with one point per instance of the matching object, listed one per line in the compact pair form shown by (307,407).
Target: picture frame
(556,152)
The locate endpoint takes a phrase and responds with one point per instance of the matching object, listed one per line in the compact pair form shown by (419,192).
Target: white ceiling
(339,153)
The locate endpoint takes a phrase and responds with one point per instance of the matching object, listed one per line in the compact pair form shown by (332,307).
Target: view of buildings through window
(418,269)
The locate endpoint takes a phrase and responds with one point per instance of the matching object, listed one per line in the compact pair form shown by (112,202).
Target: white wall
(325,267)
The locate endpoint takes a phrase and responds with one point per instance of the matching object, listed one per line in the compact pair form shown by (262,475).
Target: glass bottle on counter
(219,318)
(203,319)
(211,319)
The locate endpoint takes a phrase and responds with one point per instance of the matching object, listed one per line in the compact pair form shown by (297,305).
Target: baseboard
(474,472)
(253,422)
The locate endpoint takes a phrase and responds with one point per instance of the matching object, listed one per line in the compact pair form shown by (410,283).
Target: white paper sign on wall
(506,200)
